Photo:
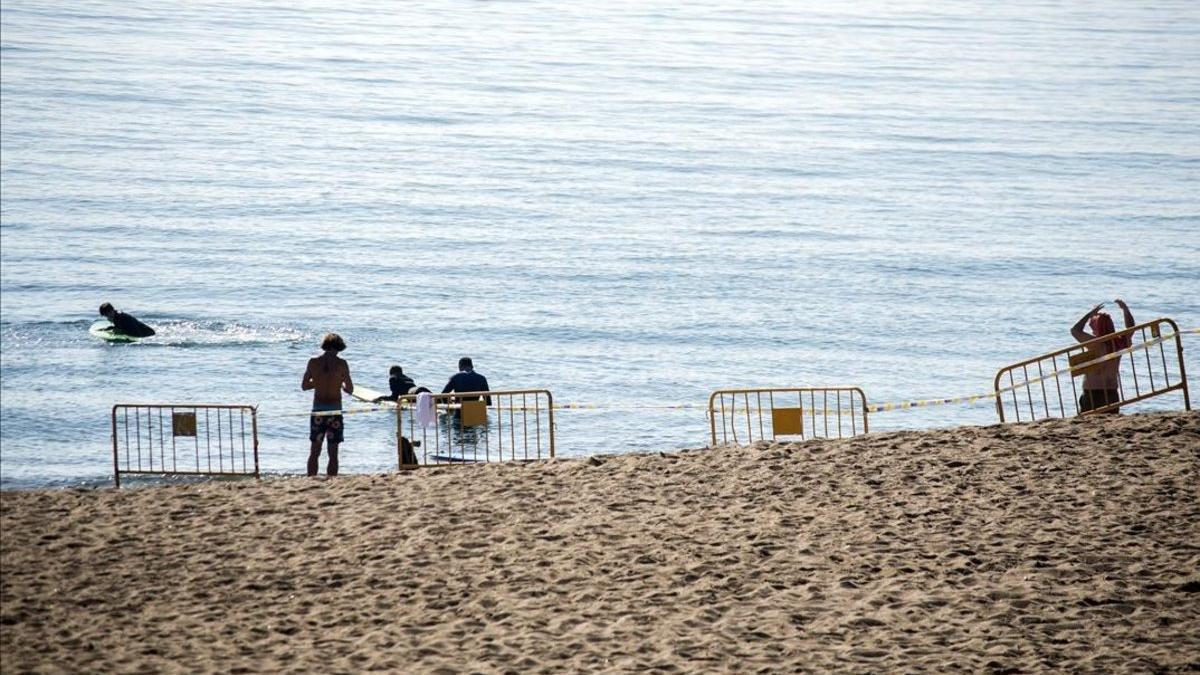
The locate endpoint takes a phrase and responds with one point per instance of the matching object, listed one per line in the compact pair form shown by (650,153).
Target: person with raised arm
(1102,382)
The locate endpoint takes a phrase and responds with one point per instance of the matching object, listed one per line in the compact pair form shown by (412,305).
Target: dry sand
(1057,546)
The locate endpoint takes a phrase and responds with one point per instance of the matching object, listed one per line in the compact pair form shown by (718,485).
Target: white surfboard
(109,333)
(368,395)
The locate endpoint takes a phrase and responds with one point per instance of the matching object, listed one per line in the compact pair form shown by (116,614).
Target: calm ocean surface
(623,202)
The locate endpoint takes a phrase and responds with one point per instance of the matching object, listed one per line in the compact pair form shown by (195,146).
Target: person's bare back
(327,375)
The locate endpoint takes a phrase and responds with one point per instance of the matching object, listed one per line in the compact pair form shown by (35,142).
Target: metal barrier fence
(1039,388)
(831,412)
(472,427)
(184,439)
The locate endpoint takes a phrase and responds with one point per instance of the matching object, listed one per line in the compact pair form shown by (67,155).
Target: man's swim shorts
(320,426)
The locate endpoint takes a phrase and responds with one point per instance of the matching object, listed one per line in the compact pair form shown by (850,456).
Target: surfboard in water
(107,332)
(368,395)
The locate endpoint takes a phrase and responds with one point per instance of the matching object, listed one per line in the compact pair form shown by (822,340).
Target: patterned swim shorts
(322,426)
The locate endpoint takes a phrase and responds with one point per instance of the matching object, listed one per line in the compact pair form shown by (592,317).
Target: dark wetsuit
(400,385)
(468,380)
(128,325)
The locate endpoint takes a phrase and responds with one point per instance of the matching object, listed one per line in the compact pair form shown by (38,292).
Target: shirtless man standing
(328,375)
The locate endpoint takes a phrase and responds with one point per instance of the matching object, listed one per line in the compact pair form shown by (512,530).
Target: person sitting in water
(125,323)
(467,380)
(1102,382)
(400,384)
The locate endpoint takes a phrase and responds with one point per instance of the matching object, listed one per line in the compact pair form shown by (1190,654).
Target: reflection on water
(627,206)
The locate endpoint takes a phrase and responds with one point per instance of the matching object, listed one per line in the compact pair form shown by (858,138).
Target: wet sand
(1057,546)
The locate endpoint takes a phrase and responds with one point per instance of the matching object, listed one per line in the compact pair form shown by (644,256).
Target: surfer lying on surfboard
(400,384)
(125,323)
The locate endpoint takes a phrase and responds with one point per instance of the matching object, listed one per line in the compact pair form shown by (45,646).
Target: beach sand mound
(1055,546)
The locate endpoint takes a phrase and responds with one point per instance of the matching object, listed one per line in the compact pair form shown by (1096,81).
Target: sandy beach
(1059,546)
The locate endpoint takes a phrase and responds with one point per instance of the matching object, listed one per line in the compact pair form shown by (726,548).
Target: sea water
(630,204)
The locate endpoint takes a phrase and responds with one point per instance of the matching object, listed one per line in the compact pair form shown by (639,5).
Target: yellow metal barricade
(1051,385)
(743,416)
(184,439)
(475,427)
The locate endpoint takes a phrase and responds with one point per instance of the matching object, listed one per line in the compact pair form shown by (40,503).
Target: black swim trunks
(322,426)
(1098,398)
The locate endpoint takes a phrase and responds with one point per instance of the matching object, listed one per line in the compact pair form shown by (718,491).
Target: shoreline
(1056,545)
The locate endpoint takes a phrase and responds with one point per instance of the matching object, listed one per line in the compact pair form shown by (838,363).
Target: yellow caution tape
(970,400)
(330,413)
(874,407)
(904,405)
(625,406)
